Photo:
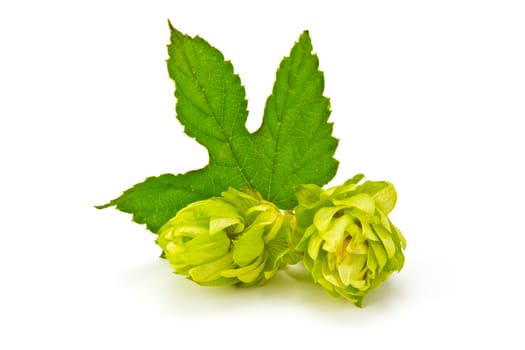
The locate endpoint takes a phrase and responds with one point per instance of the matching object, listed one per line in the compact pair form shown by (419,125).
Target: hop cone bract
(237,238)
(349,244)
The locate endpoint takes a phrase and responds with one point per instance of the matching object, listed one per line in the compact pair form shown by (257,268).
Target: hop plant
(237,238)
(349,244)
(342,234)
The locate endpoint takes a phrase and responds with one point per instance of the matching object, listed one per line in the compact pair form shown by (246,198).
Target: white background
(426,94)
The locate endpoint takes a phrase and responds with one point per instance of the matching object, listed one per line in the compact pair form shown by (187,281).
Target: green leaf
(155,201)
(295,137)
(293,146)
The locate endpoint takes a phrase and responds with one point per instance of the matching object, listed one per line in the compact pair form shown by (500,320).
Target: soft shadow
(315,297)
(290,290)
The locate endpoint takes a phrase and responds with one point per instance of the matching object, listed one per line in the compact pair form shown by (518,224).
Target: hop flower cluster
(350,245)
(238,238)
(342,234)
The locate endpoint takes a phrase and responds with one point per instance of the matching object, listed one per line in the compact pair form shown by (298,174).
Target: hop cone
(349,244)
(237,238)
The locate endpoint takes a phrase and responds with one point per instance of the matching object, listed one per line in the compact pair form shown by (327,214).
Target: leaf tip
(305,35)
(305,41)
(172,28)
(104,206)
(175,34)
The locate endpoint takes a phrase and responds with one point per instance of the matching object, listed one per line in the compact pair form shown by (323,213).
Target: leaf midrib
(279,121)
(228,142)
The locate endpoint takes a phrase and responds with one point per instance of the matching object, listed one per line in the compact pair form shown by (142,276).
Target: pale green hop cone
(237,238)
(349,244)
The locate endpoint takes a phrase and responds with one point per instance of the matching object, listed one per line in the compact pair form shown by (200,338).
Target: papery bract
(350,245)
(237,238)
